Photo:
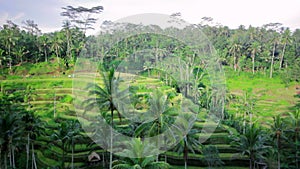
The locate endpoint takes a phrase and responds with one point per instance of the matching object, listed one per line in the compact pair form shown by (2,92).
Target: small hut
(94,158)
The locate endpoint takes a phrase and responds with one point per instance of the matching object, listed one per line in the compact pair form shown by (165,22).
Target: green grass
(273,97)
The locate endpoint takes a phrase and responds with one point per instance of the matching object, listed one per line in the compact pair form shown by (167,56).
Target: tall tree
(106,98)
(82,16)
(254,49)
(285,40)
(235,50)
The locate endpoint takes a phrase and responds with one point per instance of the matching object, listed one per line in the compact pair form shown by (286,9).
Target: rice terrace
(142,93)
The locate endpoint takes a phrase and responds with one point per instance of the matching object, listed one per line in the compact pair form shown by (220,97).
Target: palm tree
(159,110)
(10,41)
(61,136)
(100,134)
(211,156)
(106,97)
(252,143)
(2,58)
(57,45)
(20,52)
(247,106)
(294,121)
(74,134)
(275,43)
(11,130)
(254,49)
(135,157)
(285,40)
(11,127)
(189,142)
(278,126)
(44,41)
(235,49)
(34,127)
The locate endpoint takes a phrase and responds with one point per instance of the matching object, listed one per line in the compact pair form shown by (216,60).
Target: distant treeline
(269,49)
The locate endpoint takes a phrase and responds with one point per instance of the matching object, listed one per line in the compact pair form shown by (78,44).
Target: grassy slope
(273,97)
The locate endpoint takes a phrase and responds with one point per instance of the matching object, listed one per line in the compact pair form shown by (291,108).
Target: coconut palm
(34,127)
(100,134)
(285,40)
(159,110)
(252,143)
(74,135)
(106,97)
(135,157)
(189,143)
(254,49)
(294,130)
(235,50)
(278,128)
(11,127)
(61,136)
(211,156)
(57,45)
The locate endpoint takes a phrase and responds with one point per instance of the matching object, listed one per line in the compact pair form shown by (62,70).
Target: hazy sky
(232,13)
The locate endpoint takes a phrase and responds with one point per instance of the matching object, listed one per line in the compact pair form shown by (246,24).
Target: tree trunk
(234,63)
(185,153)
(10,155)
(272,60)
(13,157)
(63,156)
(10,59)
(5,160)
(103,160)
(56,51)
(253,62)
(282,55)
(27,152)
(111,138)
(278,153)
(296,141)
(33,156)
(72,162)
(45,53)
(244,123)
(0,158)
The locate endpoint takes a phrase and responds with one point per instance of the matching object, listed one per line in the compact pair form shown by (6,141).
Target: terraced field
(53,102)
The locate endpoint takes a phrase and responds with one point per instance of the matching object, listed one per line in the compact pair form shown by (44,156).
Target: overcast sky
(232,13)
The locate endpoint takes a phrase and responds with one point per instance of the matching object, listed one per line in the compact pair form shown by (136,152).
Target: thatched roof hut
(94,157)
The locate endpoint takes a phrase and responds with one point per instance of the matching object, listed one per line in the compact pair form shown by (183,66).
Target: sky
(232,13)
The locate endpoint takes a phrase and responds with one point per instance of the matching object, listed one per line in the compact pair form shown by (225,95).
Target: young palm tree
(159,110)
(61,136)
(106,97)
(74,134)
(278,128)
(34,127)
(135,157)
(11,127)
(211,156)
(100,134)
(251,143)
(189,143)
